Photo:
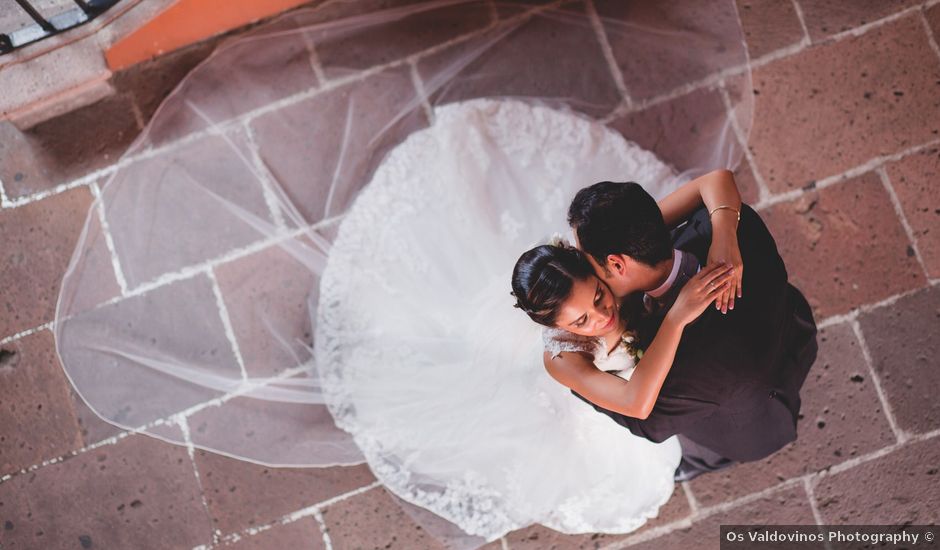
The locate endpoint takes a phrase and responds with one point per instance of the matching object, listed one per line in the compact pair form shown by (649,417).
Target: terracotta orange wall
(189,21)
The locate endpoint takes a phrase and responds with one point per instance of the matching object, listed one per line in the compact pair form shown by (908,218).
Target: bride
(314,272)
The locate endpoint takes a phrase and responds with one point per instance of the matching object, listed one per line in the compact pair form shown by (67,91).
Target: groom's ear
(616,264)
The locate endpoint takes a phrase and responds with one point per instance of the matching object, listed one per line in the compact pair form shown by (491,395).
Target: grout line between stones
(3,196)
(422,93)
(876,381)
(327,542)
(189,271)
(191,451)
(896,202)
(227,322)
(314,511)
(266,179)
(331,501)
(702,514)
(779,54)
(172,419)
(870,166)
(707,511)
(713,80)
(859,460)
(690,497)
(799,15)
(25,333)
(315,64)
(138,114)
(837,319)
(244,387)
(494,14)
(232,255)
(112,440)
(875,163)
(930,36)
(808,488)
(814,506)
(108,239)
(608,52)
(61,458)
(83,181)
(763,192)
(862,29)
(651,534)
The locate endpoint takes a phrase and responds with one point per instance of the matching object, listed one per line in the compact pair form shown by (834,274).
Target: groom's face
(622,273)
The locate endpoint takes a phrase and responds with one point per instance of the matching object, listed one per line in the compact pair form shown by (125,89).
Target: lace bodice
(618,361)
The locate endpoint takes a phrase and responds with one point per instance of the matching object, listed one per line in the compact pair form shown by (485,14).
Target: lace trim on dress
(557,340)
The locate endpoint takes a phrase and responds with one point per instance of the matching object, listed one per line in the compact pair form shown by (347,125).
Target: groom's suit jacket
(734,385)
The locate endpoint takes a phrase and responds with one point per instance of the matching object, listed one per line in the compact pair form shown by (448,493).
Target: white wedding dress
(425,361)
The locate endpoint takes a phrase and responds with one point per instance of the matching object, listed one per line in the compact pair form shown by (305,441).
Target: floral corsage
(628,339)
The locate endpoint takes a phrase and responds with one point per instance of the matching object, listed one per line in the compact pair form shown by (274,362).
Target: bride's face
(590,310)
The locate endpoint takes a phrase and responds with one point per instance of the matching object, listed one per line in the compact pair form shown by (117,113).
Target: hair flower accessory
(558,240)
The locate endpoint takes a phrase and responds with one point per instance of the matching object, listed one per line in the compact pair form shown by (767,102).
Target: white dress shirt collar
(664,288)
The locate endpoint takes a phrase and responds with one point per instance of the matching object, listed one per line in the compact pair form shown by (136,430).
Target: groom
(732,394)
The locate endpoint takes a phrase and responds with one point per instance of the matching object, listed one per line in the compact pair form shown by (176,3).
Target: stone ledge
(66,72)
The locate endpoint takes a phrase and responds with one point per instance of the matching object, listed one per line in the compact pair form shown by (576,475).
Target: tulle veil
(189,308)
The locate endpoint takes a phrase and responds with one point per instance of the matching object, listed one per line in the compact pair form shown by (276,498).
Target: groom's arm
(714,189)
(742,337)
(764,271)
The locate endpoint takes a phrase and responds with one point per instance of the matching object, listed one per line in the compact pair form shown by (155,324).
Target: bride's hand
(699,292)
(724,249)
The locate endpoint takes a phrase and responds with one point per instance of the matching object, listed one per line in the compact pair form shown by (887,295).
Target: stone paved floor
(843,164)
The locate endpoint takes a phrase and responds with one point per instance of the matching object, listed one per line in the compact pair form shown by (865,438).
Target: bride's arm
(714,189)
(636,397)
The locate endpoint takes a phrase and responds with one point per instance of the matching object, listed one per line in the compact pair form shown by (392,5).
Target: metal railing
(49,24)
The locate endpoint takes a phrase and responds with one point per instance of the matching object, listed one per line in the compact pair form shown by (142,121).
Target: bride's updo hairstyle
(543,278)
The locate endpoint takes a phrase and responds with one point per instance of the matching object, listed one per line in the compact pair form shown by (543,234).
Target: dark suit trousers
(696,457)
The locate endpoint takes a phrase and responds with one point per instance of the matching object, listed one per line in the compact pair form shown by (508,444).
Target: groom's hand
(724,249)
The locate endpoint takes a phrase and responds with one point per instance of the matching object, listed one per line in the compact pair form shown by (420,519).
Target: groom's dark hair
(620,218)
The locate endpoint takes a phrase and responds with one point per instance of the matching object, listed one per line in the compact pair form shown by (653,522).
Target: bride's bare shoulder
(567,366)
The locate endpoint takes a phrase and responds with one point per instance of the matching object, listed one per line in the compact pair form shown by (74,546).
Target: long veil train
(203,305)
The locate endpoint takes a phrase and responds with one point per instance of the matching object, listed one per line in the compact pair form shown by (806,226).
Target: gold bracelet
(723,207)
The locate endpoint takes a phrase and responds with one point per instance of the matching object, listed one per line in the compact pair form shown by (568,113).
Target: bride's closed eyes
(598,296)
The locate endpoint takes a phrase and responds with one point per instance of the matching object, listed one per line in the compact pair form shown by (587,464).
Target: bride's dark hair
(543,278)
